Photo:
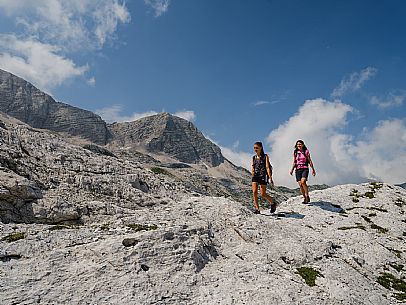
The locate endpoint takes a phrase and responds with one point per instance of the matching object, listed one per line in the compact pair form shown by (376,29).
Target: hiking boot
(308,199)
(273,208)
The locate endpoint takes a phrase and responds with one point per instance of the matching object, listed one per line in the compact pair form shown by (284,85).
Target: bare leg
(262,188)
(255,194)
(302,191)
(305,188)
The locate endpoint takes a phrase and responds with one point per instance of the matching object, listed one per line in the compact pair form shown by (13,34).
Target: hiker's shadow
(289,214)
(327,206)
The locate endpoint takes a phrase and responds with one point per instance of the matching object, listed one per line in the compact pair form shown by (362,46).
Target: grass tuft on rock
(391,282)
(398,268)
(369,195)
(160,171)
(358,226)
(375,185)
(140,227)
(309,275)
(14,237)
(58,227)
(400,202)
(380,229)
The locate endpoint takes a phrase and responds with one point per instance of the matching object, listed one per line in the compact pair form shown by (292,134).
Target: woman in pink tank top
(301,162)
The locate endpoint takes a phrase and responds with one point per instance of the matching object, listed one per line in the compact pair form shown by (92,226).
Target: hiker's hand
(271,182)
(291,172)
(314,173)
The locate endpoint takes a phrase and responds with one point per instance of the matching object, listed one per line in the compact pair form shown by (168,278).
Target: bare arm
(253,168)
(311,165)
(293,165)
(269,170)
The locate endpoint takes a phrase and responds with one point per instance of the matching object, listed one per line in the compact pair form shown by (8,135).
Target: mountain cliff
(165,133)
(25,102)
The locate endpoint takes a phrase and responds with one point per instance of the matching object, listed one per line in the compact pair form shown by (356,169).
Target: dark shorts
(302,173)
(260,179)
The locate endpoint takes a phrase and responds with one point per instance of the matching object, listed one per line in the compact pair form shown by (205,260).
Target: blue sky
(242,71)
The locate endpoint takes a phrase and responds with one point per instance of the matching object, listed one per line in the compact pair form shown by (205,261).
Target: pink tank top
(301,160)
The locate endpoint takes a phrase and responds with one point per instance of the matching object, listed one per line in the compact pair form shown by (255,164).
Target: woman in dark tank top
(261,171)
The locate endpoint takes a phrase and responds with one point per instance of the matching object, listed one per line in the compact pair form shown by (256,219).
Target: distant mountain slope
(169,134)
(25,102)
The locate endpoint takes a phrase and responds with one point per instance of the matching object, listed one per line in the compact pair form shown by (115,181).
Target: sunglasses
(256,148)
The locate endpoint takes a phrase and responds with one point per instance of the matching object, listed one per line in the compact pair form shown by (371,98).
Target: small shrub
(139,227)
(389,281)
(58,227)
(358,226)
(14,237)
(376,185)
(105,227)
(398,268)
(400,296)
(355,199)
(160,171)
(400,202)
(380,229)
(377,209)
(309,275)
(366,219)
(369,195)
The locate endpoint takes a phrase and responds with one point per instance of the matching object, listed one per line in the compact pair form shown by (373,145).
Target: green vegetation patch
(398,268)
(358,226)
(140,227)
(390,282)
(14,237)
(369,195)
(355,199)
(58,227)
(309,275)
(366,219)
(380,229)
(375,185)
(160,171)
(400,202)
(400,296)
(377,209)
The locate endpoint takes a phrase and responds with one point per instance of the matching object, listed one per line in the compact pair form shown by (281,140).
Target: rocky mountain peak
(27,103)
(169,134)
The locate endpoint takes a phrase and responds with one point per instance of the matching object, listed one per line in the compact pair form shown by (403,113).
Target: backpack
(307,160)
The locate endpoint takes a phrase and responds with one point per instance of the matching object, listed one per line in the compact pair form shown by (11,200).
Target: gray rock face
(23,101)
(169,134)
(45,179)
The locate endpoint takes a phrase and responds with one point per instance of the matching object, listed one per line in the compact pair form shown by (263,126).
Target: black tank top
(259,166)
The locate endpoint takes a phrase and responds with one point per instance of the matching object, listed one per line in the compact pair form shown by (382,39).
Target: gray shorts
(302,173)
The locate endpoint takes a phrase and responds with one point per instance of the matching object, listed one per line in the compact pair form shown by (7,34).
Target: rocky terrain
(81,225)
(159,216)
(208,250)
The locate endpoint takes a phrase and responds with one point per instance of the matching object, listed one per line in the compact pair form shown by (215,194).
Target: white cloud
(382,152)
(37,62)
(160,7)
(338,158)
(392,100)
(186,114)
(91,82)
(114,114)
(239,158)
(72,25)
(260,103)
(52,29)
(354,81)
